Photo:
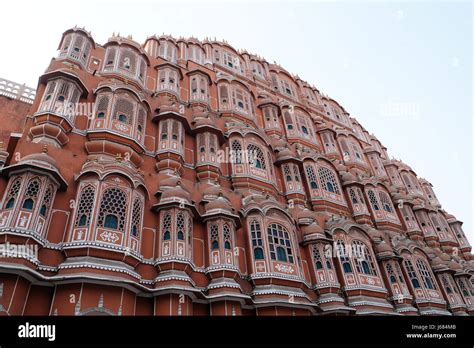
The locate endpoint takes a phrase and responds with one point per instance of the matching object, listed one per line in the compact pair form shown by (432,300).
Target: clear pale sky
(404,70)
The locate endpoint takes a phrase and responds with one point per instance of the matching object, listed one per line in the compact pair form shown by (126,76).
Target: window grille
(112,210)
(84,210)
(279,243)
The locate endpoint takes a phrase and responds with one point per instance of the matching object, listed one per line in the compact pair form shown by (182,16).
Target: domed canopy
(437,262)
(40,157)
(313,228)
(176,193)
(285,154)
(212,191)
(39,162)
(453,265)
(220,203)
(347,177)
(383,247)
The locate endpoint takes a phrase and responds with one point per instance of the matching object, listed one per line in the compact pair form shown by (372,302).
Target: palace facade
(184,177)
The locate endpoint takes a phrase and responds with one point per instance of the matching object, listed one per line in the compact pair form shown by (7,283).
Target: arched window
(112,209)
(102,105)
(168,80)
(412,274)
(60,98)
(45,204)
(242,101)
(214,237)
(464,285)
(166,227)
(281,254)
(227,237)
(256,157)
(123,110)
(224,97)
(286,170)
(328,180)
(79,50)
(373,200)
(318,262)
(306,128)
(136,217)
(386,203)
(320,259)
(446,284)
(85,205)
(164,130)
(13,193)
(180,226)
(111,221)
(258,253)
(28,204)
(279,243)
(390,273)
(353,197)
(343,256)
(167,50)
(237,152)
(199,88)
(31,194)
(288,120)
(365,263)
(196,53)
(426,274)
(311,177)
(258,70)
(257,242)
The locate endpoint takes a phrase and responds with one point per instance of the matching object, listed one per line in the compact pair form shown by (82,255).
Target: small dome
(374,233)
(383,247)
(347,177)
(340,167)
(265,100)
(212,190)
(312,229)
(285,154)
(170,181)
(41,157)
(177,192)
(306,214)
(205,121)
(278,143)
(437,262)
(453,265)
(444,257)
(220,203)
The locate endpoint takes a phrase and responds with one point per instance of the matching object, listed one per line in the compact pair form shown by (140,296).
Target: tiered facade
(182,177)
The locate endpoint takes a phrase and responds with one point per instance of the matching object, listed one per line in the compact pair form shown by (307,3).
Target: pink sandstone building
(184,177)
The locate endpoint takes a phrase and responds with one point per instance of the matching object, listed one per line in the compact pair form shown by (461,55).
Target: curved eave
(31,166)
(74,30)
(120,41)
(212,129)
(102,174)
(175,203)
(202,72)
(216,213)
(164,115)
(167,64)
(64,73)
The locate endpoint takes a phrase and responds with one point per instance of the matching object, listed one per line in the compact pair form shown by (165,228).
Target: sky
(404,70)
